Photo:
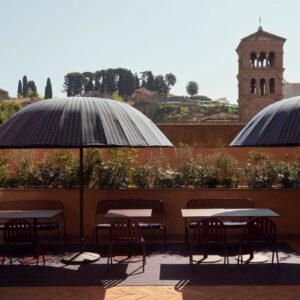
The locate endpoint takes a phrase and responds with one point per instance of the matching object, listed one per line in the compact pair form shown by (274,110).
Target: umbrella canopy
(78,122)
(276,125)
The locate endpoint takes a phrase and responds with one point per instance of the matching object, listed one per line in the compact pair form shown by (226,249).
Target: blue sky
(194,39)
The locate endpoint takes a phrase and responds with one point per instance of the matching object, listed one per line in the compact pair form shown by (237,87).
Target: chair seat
(48,226)
(143,225)
(154,224)
(235,224)
(103,225)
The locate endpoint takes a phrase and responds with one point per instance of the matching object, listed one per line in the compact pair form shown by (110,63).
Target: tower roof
(261,36)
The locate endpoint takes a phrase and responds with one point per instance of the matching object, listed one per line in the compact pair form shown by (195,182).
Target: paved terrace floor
(289,290)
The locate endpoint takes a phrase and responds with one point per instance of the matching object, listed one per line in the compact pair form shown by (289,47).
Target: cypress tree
(48,89)
(20,88)
(137,81)
(31,85)
(25,86)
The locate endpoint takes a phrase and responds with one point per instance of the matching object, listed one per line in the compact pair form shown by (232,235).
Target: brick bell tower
(260,76)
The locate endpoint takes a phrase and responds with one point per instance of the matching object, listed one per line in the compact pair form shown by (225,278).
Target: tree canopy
(192,88)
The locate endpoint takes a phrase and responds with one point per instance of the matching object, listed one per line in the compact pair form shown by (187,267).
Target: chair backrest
(210,229)
(221,203)
(18,231)
(260,229)
(123,230)
(156,205)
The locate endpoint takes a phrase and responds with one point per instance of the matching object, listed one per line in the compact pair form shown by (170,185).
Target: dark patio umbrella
(277,125)
(80,123)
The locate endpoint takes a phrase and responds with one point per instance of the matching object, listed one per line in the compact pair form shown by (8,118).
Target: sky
(193,39)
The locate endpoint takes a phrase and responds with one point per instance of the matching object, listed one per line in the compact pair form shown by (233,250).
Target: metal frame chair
(125,231)
(209,230)
(19,232)
(262,230)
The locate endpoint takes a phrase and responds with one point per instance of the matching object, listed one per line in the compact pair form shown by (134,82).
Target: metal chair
(209,230)
(262,230)
(19,232)
(125,231)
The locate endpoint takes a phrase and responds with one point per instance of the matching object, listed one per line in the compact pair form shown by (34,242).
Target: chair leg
(96,234)
(58,236)
(240,256)
(144,256)
(65,234)
(165,238)
(191,257)
(277,257)
(186,235)
(109,255)
(226,258)
(9,254)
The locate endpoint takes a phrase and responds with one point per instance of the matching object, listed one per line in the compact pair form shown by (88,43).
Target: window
(253,86)
(272,86)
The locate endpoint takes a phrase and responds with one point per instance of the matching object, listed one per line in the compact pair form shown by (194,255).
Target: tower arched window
(262,85)
(262,60)
(271,59)
(253,62)
(253,86)
(272,86)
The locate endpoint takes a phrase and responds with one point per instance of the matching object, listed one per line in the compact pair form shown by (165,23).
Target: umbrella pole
(81,189)
(80,257)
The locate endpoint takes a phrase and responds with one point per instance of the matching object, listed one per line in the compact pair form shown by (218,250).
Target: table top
(228,212)
(28,214)
(130,213)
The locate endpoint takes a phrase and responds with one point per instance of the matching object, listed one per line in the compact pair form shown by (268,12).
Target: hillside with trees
(120,80)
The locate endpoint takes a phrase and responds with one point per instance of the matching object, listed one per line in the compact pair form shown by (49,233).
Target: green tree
(161,86)
(137,81)
(170,80)
(192,88)
(129,83)
(88,81)
(73,84)
(148,80)
(48,89)
(25,85)
(31,85)
(20,88)
(111,81)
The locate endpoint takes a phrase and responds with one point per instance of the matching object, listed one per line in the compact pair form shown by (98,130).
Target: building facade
(260,72)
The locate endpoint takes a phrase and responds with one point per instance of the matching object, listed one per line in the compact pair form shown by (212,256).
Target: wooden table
(227,212)
(128,213)
(231,212)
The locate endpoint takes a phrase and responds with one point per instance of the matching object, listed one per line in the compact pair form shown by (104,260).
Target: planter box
(284,201)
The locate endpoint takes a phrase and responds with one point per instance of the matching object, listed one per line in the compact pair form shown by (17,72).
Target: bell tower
(260,75)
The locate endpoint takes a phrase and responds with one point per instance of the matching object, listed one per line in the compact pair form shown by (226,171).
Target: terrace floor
(233,288)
